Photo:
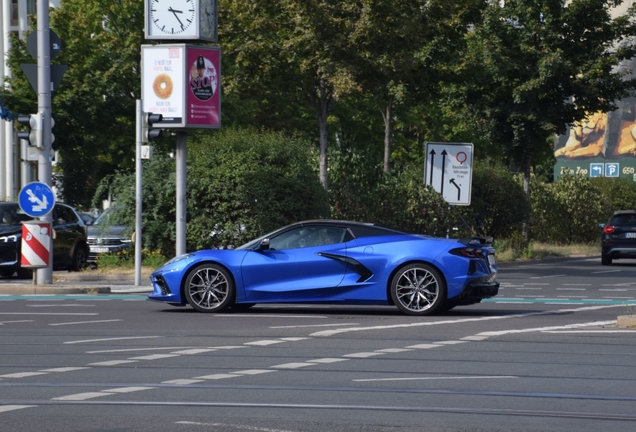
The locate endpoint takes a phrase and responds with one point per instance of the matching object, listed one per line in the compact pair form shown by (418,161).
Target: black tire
(79,259)
(606,260)
(447,306)
(6,273)
(209,288)
(241,306)
(418,289)
(25,273)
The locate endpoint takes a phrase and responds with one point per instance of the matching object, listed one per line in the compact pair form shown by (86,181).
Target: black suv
(619,237)
(70,249)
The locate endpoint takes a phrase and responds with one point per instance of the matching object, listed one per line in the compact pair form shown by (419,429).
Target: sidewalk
(85,282)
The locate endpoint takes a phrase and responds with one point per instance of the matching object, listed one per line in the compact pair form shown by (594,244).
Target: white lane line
(576,284)
(22,374)
(363,354)
(571,289)
(394,350)
(589,331)
(7,408)
(542,329)
(269,316)
(292,365)
(12,322)
(229,347)
(327,333)
(252,371)
(294,339)
(314,325)
(154,357)
(82,396)
(536,283)
(327,360)
(264,342)
(111,339)
(216,376)
(424,346)
(619,298)
(63,369)
(86,322)
(572,296)
(605,271)
(112,362)
(61,305)
(435,378)
(194,351)
(182,381)
(530,288)
(450,342)
(228,426)
(614,289)
(128,389)
(51,313)
(134,349)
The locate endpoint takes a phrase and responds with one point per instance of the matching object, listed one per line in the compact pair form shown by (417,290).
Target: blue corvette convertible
(329,261)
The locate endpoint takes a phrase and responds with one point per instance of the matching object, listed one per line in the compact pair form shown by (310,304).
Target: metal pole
(138,194)
(181,192)
(44,275)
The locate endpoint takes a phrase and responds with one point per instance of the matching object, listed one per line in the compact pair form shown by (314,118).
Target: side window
(307,237)
(60,216)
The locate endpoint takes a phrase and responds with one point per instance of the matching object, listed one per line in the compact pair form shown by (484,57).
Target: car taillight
(608,229)
(468,252)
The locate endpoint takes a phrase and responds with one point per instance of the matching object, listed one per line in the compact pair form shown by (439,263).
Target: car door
(300,265)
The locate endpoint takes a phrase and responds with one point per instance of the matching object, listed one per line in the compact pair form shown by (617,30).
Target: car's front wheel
(209,288)
(418,289)
(606,260)
(79,259)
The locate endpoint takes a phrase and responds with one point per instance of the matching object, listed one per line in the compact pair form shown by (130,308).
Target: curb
(16,289)
(626,321)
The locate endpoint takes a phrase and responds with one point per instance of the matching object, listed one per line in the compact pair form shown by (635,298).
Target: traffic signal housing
(33,122)
(148,132)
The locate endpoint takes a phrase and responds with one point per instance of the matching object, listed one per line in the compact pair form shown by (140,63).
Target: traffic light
(54,145)
(148,133)
(33,122)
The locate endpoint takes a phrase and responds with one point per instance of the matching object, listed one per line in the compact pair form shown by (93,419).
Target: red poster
(203,101)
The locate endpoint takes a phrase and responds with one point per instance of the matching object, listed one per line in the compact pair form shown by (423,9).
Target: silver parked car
(108,234)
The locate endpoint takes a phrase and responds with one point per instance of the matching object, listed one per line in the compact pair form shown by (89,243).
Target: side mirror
(263,245)
(601,225)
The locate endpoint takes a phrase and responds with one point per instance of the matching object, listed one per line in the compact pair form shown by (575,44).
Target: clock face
(172,17)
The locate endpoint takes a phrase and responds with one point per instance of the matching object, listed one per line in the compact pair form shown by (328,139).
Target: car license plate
(491,259)
(630,235)
(99,249)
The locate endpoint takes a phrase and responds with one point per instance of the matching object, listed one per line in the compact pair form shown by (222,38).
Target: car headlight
(178,258)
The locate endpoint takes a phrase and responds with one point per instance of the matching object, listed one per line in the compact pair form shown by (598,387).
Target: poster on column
(163,83)
(204,90)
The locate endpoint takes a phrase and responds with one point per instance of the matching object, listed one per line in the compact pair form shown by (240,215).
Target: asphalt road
(543,356)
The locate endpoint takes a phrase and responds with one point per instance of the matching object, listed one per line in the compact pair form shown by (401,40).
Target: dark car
(70,248)
(108,234)
(619,237)
(334,262)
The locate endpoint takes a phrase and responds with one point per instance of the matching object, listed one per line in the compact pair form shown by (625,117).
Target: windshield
(12,214)
(110,216)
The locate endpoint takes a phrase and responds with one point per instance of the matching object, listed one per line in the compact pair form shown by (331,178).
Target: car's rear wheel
(418,289)
(209,288)
(79,258)
(606,260)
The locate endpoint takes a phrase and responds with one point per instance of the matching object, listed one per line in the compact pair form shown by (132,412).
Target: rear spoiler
(477,241)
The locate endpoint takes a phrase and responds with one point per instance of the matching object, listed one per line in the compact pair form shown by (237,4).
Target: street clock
(181,20)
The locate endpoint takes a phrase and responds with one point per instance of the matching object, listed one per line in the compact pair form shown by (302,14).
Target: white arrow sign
(41,204)
(449,170)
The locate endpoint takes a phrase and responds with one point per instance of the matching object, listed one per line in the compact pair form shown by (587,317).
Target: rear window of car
(624,219)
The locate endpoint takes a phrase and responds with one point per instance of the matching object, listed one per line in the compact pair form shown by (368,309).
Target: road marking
(154,357)
(112,362)
(577,284)
(529,288)
(252,371)
(86,322)
(61,305)
(327,360)
(264,342)
(619,298)
(314,325)
(394,350)
(536,283)
(571,289)
(127,389)
(51,313)
(605,271)
(232,426)
(424,346)
(589,331)
(81,396)
(435,378)
(542,329)
(216,376)
(269,316)
(292,365)
(134,349)
(111,339)
(294,339)
(363,354)
(182,381)
(11,322)
(194,351)
(22,374)
(63,369)
(7,408)
(326,333)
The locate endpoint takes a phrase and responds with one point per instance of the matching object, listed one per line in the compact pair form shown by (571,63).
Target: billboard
(183,83)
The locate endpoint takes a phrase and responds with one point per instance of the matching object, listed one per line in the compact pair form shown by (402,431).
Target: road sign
(596,170)
(611,169)
(449,170)
(36,199)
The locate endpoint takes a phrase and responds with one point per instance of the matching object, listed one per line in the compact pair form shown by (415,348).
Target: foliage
(126,259)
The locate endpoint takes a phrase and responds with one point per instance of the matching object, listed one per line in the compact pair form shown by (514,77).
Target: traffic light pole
(138,190)
(44,275)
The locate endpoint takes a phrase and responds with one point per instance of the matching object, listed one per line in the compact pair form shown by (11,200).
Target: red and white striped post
(36,244)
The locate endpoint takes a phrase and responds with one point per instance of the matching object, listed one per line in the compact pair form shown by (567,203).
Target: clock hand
(175,12)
